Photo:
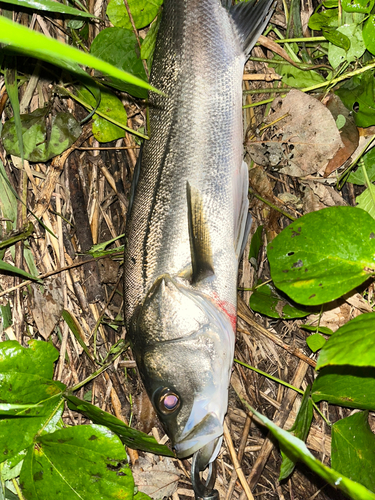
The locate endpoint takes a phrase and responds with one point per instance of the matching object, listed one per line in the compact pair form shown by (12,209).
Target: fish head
(184,346)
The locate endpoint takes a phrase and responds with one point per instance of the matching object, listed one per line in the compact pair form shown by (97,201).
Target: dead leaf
(156,477)
(303,138)
(46,306)
(349,134)
(318,196)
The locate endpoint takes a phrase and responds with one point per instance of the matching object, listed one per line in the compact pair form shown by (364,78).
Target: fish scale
(188,220)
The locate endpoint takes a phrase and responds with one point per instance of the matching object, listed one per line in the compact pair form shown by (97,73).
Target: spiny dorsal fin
(200,242)
(250,19)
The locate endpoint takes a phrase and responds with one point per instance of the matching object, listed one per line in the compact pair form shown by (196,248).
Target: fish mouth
(205,437)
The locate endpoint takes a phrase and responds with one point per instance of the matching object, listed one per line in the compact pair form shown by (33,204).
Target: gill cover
(184,347)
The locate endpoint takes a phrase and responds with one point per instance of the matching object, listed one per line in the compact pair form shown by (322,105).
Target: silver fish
(188,219)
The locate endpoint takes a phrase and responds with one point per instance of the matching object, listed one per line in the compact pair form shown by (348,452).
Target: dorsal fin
(199,236)
(250,19)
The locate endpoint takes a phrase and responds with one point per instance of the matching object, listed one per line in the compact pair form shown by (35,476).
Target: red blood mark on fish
(227,308)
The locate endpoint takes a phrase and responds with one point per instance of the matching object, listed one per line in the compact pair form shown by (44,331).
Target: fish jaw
(191,359)
(205,437)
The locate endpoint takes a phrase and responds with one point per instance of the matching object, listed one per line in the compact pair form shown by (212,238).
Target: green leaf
(37,45)
(69,320)
(318,329)
(337,38)
(84,462)
(298,78)
(358,96)
(142,13)
(41,145)
(368,34)
(118,46)
(111,106)
(266,301)
(8,268)
(352,344)
(130,437)
(349,386)
(364,6)
(324,19)
(256,243)
(323,255)
(148,45)
(8,201)
(353,449)
(366,200)
(48,6)
(10,77)
(296,449)
(358,177)
(337,55)
(26,379)
(6,315)
(315,342)
(299,429)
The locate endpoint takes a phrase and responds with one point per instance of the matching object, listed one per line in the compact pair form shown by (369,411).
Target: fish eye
(168,401)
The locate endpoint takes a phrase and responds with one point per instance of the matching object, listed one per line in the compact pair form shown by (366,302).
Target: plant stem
(271,205)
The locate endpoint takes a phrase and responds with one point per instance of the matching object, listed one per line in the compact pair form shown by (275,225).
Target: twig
(236,464)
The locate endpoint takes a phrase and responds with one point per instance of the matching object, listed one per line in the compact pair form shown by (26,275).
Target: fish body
(188,219)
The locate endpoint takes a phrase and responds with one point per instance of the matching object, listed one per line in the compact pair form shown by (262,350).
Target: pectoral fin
(200,242)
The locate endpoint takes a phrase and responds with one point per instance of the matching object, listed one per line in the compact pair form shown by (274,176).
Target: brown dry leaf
(345,311)
(349,134)
(46,307)
(318,196)
(302,141)
(157,477)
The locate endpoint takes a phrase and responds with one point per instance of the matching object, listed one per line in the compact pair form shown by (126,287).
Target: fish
(188,220)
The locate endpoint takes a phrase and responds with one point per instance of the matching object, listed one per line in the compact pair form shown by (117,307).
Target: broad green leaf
(324,19)
(337,55)
(350,386)
(297,450)
(299,429)
(366,200)
(40,144)
(266,301)
(8,268)
(298,78)
(142,12)
(358,177)
(315,342)
(85,462)
(48,6)
(318,329)
(256,243)
(26,379)
(358,95)
(337,38)
(37,45)
(368,34)
(148,45)
(118,46)
(130,437)
(323,255)
(353,449)
(110,105)
(364,6)
(352,344)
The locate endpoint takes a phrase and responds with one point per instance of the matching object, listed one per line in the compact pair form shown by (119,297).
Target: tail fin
(250,19)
